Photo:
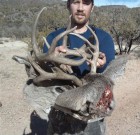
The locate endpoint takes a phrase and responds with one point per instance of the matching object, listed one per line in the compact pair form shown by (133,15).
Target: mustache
(80,13)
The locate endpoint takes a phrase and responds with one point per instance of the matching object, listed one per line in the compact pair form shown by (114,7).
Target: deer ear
(116,68)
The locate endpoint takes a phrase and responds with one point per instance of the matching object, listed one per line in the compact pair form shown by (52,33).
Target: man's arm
(107,47)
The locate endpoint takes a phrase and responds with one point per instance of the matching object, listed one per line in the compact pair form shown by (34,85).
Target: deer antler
(95,54)
(51,56)
(59,58)
(93,48)
(79,52)
(57,74)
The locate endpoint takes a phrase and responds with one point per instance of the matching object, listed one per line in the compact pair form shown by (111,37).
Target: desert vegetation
(17,17)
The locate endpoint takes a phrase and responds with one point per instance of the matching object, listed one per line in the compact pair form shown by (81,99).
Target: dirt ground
(15,113)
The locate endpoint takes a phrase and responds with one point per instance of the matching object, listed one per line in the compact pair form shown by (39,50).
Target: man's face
(80,10)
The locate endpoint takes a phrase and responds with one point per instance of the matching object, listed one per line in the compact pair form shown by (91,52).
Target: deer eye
(59,89)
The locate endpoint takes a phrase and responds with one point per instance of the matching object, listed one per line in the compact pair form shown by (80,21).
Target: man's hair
(91,1)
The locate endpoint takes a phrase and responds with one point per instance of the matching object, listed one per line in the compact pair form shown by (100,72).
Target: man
(80,11)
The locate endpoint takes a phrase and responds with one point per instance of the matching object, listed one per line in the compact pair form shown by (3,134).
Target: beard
(79,19)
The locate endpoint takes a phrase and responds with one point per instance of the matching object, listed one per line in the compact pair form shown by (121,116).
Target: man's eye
(76,1)
(86,2)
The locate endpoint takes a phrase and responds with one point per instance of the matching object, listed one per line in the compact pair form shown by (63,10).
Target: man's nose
(80,7)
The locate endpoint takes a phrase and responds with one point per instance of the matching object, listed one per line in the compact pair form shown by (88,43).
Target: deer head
(94,99)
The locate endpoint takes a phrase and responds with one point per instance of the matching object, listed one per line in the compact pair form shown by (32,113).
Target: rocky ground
(16,115)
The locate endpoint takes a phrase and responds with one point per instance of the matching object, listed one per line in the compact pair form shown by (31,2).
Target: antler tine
(77,52)
(57,38)
(33,40)
(95,53)
(66,37)
(58,74)
(96,39)
(46,43)
(84,39)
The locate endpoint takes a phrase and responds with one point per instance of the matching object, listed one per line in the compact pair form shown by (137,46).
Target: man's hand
(101,60)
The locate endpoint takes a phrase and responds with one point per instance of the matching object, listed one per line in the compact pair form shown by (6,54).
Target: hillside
(17,16)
